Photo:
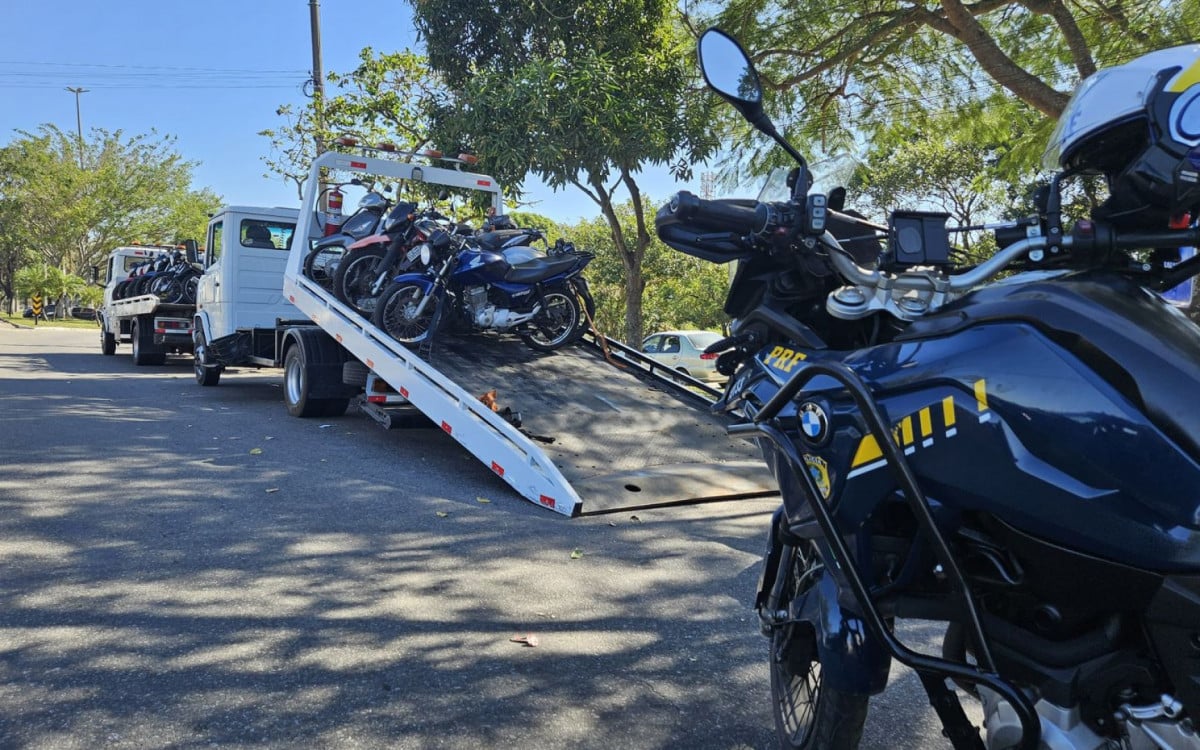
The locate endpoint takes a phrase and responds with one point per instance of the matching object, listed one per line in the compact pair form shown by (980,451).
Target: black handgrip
(732,215)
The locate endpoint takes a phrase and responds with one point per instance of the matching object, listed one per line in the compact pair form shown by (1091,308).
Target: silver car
(683,351)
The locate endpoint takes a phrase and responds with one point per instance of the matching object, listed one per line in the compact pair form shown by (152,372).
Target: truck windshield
(274,235)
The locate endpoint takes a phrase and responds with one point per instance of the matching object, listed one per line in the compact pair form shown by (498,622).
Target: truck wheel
(306,369)
(144,352)
(108,342)
(206,374)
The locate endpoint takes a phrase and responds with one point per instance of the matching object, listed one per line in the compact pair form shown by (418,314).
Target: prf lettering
(782,358)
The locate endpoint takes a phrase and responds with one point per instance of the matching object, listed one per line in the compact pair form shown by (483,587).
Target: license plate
(413,254)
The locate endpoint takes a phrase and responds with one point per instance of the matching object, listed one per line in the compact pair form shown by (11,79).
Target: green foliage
(681,291)
(578,93)
(130,189)
(50,283)
(866,70)
(381,100)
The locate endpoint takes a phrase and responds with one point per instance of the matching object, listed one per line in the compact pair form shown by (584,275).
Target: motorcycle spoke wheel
(321,265)
(354,279)
(190,288)
(397,314)
(556,325)
(808,714)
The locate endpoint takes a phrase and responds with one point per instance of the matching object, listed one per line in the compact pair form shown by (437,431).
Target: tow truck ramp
(611,436)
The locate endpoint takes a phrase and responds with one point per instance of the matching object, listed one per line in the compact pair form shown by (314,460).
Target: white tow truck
(598,422)
(152,327)
(241,316)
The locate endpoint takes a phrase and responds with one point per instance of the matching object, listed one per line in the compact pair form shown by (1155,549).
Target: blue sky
(209,73)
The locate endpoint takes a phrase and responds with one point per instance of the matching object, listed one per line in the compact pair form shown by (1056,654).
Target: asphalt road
(192,568)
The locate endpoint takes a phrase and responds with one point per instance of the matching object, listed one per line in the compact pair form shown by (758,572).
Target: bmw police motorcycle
(1016,457)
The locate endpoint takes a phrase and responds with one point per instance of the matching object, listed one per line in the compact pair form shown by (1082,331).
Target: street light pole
(78,120)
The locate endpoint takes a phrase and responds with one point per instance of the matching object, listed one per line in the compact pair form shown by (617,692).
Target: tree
(379,101)
(681,291)
(923,165)
(871,64)
(577,93)
(50,283)
(135,189)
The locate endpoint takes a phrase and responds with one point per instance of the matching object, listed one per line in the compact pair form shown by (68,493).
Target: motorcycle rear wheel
(355,274)
(396,313)
(557,324)
(321,264)
(809,714)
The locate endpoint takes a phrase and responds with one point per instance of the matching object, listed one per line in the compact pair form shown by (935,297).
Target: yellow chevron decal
(869,456)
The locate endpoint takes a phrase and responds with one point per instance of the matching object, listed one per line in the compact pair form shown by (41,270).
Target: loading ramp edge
(486,435)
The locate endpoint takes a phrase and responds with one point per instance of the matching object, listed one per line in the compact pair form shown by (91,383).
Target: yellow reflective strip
(981,395)
(868,451)
(948,410)
(1185,78)
(906,429)
(926,422)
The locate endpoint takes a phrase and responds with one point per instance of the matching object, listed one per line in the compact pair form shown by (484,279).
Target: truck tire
(354,373)
(144,350)
(206,374)
(108,342)
(313,365)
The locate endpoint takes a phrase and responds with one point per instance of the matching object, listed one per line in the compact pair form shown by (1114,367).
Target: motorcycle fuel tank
(1061,407)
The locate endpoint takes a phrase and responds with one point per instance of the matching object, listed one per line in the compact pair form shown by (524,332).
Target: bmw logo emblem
(813,422)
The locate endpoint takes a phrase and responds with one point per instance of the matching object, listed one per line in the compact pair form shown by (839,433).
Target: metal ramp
(591,432)
(619,436)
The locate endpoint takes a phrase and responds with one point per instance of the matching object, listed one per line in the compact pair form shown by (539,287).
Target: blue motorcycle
(483,283)
(1017,458)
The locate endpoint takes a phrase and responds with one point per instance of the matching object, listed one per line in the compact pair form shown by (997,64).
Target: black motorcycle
(1019,459)
(321,263)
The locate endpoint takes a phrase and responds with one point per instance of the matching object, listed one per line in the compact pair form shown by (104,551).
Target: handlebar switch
(816,213)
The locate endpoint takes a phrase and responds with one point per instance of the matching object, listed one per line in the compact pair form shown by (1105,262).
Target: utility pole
(314,22)
(78,120)
(314,16)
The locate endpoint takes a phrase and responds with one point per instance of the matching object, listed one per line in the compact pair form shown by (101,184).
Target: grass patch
(53,323)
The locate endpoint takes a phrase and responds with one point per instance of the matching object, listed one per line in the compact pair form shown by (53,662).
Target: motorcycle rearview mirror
(728,71)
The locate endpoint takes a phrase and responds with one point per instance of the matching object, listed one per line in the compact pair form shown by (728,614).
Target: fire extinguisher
(333,216)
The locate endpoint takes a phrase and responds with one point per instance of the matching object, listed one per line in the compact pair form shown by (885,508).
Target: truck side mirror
(190,249)
(95,275)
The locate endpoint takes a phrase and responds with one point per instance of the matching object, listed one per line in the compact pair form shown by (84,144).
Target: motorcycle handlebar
(735,216)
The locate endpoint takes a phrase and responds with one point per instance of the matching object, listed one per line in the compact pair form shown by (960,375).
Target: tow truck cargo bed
(621,439)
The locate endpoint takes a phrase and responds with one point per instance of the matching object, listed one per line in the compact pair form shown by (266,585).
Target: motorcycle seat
(538,269)
(496,239)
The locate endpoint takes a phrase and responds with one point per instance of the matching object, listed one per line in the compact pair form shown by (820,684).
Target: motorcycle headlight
(426,253)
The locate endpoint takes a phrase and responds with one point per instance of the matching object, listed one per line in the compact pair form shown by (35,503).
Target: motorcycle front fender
(852,660)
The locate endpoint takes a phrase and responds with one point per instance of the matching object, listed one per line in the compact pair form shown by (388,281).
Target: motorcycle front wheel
(557,324)
(807,713)
(396,313)
(354,276)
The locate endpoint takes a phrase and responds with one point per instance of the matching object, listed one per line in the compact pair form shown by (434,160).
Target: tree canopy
(129,189)
(869,66)
(585,94)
